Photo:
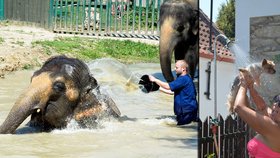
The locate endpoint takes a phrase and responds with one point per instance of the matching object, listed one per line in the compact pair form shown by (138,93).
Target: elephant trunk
(167,44)
(26,104)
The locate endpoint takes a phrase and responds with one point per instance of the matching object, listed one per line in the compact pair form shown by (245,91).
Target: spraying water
(269,83)
(242,58)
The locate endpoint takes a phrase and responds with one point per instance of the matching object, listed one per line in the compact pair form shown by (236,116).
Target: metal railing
(26,11)
(121,18)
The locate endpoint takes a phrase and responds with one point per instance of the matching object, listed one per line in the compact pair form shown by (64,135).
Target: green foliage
(1,40)
(210,155)
(87,49)
(19,43)
(4,23)
(226,19)
(27,66)
(128,51)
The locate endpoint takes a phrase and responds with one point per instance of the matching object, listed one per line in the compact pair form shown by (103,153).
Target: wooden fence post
(233,137)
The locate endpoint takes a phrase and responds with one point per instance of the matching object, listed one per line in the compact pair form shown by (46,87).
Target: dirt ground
(17,52)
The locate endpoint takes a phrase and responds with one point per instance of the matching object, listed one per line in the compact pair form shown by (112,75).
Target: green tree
(226,18)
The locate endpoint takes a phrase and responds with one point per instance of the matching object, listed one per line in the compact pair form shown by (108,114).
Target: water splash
(269,83)
(117,138)
(105,125)
(157,121)
(242,58)
(115,71)
(111,73)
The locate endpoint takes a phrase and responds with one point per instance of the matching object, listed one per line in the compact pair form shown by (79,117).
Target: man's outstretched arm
(162,84)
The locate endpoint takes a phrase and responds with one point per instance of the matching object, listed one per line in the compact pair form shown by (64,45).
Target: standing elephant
(178,34)
(61,90)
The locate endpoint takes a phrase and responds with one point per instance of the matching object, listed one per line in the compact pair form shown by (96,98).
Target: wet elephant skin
(178,35)
(63,89)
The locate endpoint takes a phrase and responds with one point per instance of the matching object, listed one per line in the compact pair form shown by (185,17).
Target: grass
(27,66)
(19,43)
(4,23)
(2,40)
(88,48)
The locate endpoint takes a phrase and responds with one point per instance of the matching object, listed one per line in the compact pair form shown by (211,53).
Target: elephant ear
(88,104)
(88,107)
(111,108)
(91,108)
(91,85)
(93,105)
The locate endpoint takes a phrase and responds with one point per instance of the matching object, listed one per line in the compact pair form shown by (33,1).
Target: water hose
(214,131)
(214,127)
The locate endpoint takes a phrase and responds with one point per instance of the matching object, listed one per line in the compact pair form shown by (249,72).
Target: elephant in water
(178,34)
(63,89)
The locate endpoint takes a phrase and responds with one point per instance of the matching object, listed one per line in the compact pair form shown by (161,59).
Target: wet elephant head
(178,34)
(61,90)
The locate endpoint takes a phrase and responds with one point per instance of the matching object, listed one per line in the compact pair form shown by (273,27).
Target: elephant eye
(180,28)
(59,86)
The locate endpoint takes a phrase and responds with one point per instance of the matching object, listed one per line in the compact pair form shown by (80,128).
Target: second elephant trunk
(167,45)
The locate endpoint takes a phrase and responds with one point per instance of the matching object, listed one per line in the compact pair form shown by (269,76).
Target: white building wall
(251,8)
(226,73)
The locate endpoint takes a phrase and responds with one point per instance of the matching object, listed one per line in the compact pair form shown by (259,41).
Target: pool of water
(147,128)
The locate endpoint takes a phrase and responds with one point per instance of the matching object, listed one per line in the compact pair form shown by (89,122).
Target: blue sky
(205,6)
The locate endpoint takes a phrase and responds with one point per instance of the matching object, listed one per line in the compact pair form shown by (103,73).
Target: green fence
(122,18)
(1,9)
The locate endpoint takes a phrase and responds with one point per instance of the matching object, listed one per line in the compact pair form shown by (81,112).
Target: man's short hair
(184,64)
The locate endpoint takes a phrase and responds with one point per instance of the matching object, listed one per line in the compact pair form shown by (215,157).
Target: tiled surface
(222,53)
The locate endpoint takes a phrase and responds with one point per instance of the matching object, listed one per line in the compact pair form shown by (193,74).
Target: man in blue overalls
(185,103)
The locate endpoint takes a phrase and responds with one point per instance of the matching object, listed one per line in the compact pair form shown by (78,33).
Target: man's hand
(162,84)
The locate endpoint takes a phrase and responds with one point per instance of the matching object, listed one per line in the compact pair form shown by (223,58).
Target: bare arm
(162,84)
(259,122)
(258,100)
(166,91)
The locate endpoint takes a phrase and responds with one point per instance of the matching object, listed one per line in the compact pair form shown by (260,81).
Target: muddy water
(146,129)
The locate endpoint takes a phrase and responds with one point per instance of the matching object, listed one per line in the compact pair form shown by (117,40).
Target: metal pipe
(215,86)
(215,71)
